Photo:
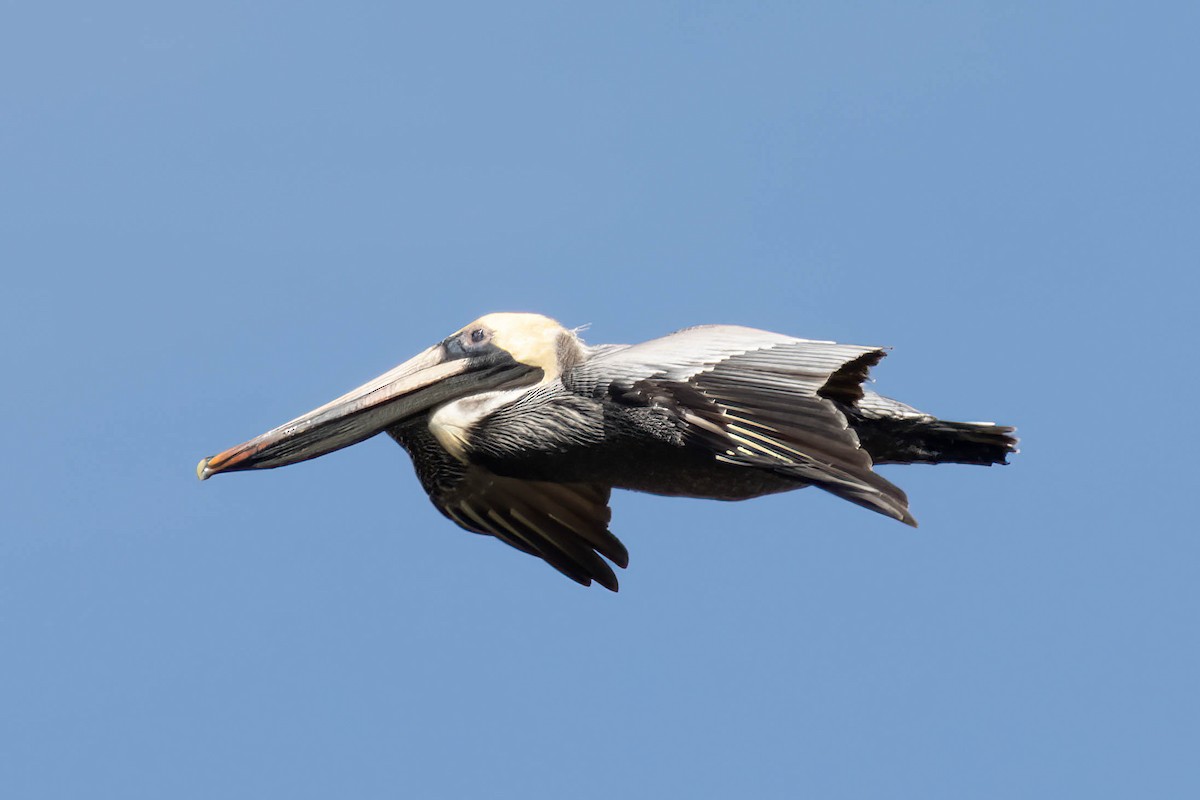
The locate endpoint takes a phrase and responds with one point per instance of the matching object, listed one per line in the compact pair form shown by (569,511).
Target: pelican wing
(564,523)
(759,400)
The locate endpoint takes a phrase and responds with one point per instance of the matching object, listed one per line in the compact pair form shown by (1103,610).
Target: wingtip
(607,579)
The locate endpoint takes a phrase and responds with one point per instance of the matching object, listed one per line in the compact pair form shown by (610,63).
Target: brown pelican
(519,430)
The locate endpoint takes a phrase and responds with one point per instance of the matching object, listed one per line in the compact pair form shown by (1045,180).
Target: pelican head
(496,351)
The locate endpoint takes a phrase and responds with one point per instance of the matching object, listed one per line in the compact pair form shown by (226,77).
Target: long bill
(415,386)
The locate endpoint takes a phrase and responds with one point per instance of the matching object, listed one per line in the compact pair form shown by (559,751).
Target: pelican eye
(471,342)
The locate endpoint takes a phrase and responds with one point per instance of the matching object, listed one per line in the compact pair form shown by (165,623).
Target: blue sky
(215,217)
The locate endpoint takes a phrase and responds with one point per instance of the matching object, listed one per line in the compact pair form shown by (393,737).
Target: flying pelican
(519,430)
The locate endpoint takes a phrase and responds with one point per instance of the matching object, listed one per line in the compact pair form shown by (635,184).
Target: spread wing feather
(763,401)
(565,524)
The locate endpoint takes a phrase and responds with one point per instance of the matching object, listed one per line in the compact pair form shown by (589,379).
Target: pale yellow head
(531,339)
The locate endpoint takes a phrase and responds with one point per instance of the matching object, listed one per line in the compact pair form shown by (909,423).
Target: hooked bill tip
(202,469)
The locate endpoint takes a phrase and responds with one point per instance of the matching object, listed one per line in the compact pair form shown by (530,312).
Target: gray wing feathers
(687,353)
(680,355)
(763,400)
(776,421)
